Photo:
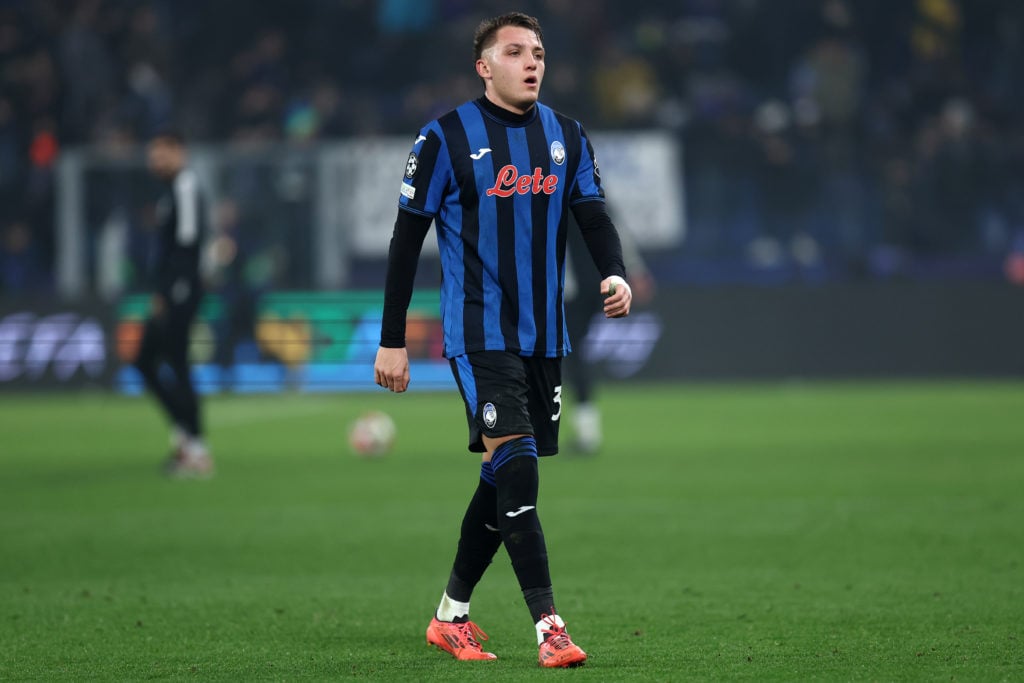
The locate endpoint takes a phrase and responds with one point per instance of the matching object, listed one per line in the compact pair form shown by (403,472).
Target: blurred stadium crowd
(822,138)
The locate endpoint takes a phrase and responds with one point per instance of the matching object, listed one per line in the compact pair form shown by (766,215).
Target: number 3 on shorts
(558,401)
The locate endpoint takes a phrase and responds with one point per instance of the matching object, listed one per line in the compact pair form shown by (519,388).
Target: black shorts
(506,393)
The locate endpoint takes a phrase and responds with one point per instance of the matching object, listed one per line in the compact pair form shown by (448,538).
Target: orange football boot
(558,650)
(458,640)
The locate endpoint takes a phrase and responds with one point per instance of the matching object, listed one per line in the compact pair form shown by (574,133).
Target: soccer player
(175,280)
(498,177)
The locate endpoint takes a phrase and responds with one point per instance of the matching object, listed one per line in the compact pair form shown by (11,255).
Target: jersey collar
(504,116)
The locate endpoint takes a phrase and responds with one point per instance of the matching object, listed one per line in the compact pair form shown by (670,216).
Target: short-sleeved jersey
(499,188)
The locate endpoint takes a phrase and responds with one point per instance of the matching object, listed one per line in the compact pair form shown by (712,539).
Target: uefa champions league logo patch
(411,165)
(557,152)
(490,415)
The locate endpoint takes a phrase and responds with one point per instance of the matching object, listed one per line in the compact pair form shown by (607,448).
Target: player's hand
(391,369)
(618,297)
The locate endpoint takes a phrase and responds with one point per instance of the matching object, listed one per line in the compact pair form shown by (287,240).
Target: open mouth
(531,80)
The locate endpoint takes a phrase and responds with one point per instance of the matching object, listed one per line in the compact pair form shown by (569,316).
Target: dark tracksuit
(175,278)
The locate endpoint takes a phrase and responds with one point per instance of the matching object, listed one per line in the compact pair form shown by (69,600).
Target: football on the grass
(372,434)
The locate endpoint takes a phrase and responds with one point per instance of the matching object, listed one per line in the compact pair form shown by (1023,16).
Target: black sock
(540,601)
(515,472)
(479,539)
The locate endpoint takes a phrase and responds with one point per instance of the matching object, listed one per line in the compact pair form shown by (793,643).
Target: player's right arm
(391,368)
(427,172)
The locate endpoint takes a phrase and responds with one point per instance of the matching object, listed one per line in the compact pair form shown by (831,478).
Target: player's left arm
(602,240)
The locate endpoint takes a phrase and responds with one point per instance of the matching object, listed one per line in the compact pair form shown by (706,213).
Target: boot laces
(554,634)
(471,633)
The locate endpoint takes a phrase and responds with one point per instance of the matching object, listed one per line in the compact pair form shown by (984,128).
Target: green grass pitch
(860,531)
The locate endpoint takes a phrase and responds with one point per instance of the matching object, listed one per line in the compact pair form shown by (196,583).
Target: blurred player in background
(499,176)
(175,281)
(582,300)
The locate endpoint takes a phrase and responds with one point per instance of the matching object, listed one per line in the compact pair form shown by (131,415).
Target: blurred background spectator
(822,139)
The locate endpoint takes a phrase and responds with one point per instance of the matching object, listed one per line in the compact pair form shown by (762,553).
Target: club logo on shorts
(557,152)
(490,415)
(411,165)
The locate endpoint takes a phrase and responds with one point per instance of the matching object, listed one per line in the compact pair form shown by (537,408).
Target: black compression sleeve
(403,257)
(601,237)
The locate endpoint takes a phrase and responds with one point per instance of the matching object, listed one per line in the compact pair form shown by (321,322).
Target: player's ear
(483,70)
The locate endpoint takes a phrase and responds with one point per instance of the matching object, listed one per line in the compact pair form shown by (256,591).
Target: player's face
(513,68)
(165,158)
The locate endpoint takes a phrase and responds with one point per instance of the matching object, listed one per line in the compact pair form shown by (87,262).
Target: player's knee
(512,450)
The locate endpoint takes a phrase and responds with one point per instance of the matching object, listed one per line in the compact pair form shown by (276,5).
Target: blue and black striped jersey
(499,188)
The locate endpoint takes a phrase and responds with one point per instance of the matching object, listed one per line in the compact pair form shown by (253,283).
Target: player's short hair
(169,135)
(487,31)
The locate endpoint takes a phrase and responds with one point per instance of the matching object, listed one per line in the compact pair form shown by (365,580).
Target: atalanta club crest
(490,415)
(557,152)
(411,165)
